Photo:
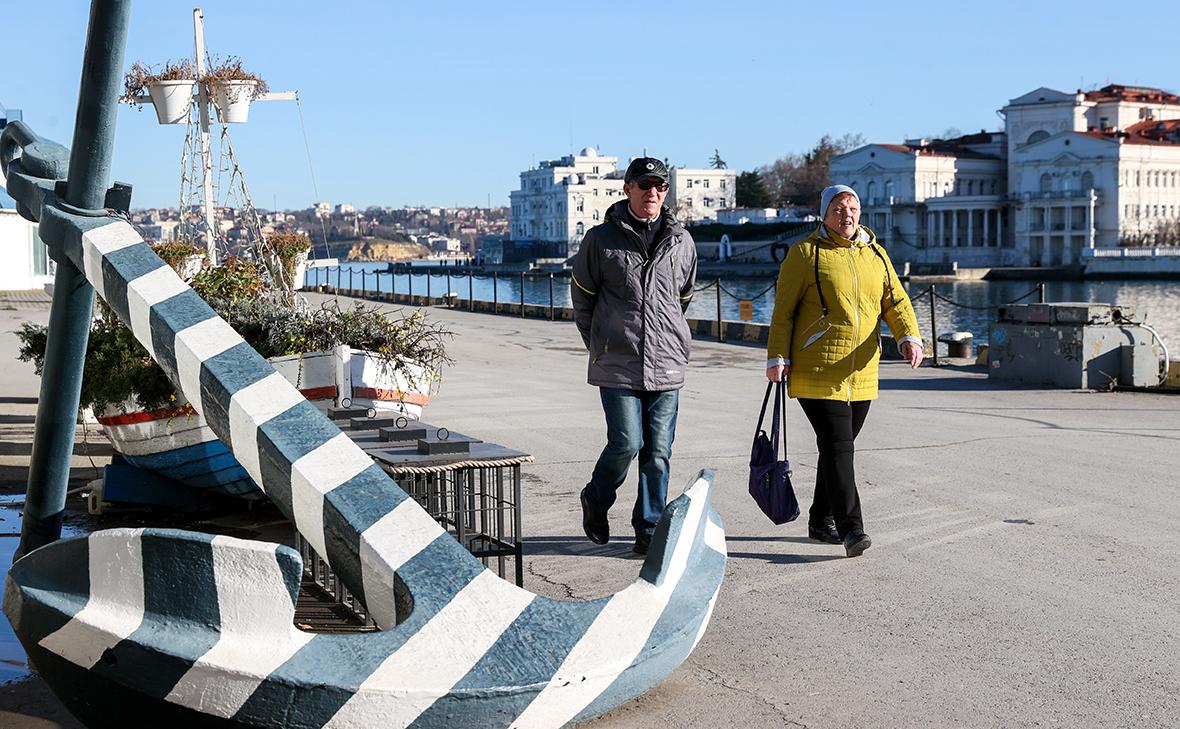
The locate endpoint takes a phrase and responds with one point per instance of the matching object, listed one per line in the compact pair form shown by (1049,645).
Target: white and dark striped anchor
(156,627)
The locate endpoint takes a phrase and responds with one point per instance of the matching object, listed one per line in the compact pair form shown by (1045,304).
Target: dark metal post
(73,297)
(428,288)
(1041,292)
(495,293)
(339,278)
(933,327)
(448,284)
(393,282)
(470,291)
(410,283)
(551,296)
(720,324)
(522,294)
(350,283)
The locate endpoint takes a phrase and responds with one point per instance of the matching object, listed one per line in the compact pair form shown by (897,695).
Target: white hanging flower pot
(171,100)
(232,99)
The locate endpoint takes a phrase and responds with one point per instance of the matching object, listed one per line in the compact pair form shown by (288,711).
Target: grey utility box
(1073,345)
(1140,365)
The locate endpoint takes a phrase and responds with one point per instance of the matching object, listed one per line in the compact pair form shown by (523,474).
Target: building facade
(558,201)
(1069,173)
(696,195)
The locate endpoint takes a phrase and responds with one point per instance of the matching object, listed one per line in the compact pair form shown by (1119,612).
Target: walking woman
(834,288)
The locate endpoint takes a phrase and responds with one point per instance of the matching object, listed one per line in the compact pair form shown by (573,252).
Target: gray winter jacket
(629,303)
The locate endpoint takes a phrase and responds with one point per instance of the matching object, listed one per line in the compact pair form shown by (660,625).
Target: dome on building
(588,152)
(571,179)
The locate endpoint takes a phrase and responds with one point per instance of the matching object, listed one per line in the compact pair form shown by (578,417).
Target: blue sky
(444,103)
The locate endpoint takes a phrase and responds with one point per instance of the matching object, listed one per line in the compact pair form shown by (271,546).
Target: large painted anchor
(162,627)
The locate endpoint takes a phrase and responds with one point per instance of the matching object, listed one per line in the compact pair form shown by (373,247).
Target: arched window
(581,228)
(872,187)
(580,204)
(1037,136)
(596,216)
(1087,181)
(970,187)
(888,190)
(1046,183)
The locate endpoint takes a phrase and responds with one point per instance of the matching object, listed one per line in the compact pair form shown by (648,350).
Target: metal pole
(339,278)
(551,296)
(720,325)
(393,282)
(1041,292)
(470,291)
(448,284)
(410,282)
(73,297)
(206,154)
(350,284)
(495,293)
(522,294)
(933,328)
(428,288)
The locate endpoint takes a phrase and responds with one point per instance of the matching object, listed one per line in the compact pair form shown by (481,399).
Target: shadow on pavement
(786,558)
(29,704)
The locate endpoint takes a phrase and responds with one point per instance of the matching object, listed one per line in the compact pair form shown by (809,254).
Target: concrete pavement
(1021,573)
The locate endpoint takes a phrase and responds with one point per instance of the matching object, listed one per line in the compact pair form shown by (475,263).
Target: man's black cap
(641,167)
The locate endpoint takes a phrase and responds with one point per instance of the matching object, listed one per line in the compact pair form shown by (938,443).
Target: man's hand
(913,353)
(778,373)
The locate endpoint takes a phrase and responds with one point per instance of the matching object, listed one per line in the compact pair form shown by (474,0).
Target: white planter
(405,389)
(232,99)
(171,100)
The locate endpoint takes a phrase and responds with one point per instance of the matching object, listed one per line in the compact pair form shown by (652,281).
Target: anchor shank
(73,296)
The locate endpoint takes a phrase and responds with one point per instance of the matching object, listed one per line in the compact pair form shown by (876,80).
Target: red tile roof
(1145,94)
(1160,133)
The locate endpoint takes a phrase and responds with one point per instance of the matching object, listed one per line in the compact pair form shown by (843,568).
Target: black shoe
(825,532)
(642,542)
(856,543)
(595,525)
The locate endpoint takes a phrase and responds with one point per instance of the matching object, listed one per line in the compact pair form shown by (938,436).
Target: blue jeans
(638,423)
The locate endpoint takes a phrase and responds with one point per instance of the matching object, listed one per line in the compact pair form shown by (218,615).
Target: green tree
(751,191)
(716,162)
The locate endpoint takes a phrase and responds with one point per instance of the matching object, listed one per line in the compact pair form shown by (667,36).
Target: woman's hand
(778,373)
(912,352)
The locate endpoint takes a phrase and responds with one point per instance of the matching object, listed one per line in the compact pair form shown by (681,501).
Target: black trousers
(836,424)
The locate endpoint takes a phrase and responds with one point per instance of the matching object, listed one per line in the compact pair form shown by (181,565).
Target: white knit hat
(831,191)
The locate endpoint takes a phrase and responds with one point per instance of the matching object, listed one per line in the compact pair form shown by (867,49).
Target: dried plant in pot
(170,89)
(233,88)
(285,256)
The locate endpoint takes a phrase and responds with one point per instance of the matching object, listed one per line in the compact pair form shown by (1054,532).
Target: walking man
(632,281)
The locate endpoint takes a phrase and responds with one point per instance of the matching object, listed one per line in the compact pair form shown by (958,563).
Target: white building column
(1090,242)
(954,228)
(970,228)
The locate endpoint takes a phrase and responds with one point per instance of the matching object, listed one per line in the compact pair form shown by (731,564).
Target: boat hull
(178,443)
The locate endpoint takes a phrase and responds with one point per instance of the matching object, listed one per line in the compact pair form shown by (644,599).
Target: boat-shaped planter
(177,442)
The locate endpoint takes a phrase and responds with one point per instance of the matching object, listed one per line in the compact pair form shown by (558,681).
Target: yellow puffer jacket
(835,357)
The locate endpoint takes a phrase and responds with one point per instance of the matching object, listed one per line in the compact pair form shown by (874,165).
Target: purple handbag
(770,478)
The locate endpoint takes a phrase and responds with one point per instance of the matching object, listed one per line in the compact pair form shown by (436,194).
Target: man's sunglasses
(649,184)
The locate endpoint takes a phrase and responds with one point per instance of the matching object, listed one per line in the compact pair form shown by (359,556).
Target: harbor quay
(1021,573)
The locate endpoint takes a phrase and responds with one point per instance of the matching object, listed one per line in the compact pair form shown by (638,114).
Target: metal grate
(479,507)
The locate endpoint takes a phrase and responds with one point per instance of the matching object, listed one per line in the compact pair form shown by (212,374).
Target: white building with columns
(697,194)
(558,201)
(1070,173)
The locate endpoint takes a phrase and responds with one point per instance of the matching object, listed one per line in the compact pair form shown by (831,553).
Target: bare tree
(799,178)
